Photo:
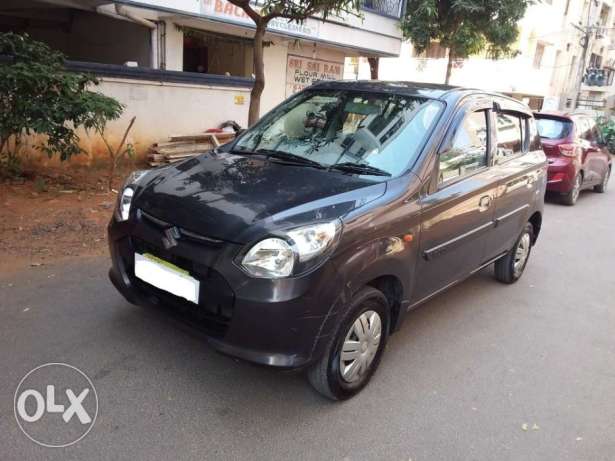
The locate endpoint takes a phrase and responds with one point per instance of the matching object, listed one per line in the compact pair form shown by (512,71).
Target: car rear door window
(510,135)
(582,127)
(468,150)
(594,133)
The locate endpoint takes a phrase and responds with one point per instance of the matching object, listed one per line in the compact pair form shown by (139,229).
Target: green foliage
(465,27)
(300,10)
(39,96)
(606,125)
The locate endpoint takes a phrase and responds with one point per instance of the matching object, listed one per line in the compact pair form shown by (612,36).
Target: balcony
(598,80)
(389,8)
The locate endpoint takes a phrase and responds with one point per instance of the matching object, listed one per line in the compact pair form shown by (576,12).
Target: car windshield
(377,131)
(553,128)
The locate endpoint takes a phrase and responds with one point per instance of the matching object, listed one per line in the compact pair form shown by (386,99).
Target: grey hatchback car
(304,242)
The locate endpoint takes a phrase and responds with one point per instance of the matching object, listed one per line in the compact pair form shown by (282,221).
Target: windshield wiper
(281,155)
(287,156)
(359,168)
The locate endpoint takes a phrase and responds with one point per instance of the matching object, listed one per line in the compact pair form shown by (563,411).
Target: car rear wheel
(601,188)
(354,351)
(509,268)
(571,197)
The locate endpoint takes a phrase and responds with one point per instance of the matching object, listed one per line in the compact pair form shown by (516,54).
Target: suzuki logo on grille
(170,237)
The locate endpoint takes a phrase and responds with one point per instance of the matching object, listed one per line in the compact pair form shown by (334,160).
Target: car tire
(509,268)
(330,376)
(572,196)
(601,188)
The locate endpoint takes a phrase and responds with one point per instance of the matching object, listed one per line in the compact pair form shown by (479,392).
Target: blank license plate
(166,276)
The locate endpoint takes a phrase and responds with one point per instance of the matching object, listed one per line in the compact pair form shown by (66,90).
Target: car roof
(449,93)
(563,114)
(430,90)
(552,114)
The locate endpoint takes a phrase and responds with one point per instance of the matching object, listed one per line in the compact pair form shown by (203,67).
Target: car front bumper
(282,323)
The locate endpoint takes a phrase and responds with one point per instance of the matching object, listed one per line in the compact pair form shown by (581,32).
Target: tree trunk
(373,67)
(449,66)
(259,74)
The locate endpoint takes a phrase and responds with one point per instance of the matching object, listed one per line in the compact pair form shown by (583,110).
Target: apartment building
(182,66)
(597,89)
(550,66)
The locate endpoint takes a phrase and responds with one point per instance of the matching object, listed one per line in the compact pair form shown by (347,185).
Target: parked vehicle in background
(304,242)
(578,158)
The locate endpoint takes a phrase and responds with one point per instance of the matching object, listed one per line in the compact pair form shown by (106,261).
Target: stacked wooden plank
(180,147)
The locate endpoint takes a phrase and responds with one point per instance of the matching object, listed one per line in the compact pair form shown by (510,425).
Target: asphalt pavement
(482,372)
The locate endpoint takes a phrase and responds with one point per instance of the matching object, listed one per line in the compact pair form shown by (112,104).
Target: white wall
(166,109)
(505,75)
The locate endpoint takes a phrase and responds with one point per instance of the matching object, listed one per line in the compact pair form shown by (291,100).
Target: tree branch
(132,121)
(245,6)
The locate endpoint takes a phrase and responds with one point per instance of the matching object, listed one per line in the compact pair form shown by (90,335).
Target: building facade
(183,66)
(550,66)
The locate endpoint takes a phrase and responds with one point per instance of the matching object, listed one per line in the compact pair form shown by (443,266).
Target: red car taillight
(568,150)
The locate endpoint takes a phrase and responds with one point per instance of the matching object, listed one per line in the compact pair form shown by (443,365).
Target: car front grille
(216,298)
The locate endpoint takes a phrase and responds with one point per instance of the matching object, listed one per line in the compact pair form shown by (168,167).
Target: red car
(577,157)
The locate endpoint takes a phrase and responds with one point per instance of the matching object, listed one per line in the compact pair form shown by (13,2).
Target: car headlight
(126,195)
(292,252)
(123,206)
(270,258)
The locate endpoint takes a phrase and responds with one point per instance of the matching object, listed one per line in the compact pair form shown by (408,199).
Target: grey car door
(457,213)
(519,166)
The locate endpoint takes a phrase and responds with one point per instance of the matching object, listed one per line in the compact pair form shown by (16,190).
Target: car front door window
(468,149)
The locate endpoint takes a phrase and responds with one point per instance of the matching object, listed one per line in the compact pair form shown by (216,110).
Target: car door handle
(484,203)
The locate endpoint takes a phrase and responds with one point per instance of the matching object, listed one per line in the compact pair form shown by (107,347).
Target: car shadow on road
(170,342)
(557,199)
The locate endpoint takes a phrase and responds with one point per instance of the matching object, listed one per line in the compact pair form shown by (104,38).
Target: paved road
(466,372)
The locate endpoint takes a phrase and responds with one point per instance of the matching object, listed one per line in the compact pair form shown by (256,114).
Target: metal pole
(587,32)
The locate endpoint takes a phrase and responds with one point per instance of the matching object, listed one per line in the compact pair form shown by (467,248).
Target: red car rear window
(553,128)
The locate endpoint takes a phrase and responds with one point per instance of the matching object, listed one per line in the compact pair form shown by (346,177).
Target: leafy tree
(39,96)
(293,10)
(606,125)
(465,27)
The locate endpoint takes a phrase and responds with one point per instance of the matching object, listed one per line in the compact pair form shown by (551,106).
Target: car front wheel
(509,268)
(354,351)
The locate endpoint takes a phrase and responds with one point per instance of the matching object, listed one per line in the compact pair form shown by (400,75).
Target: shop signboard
(222,9)
(301,72)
